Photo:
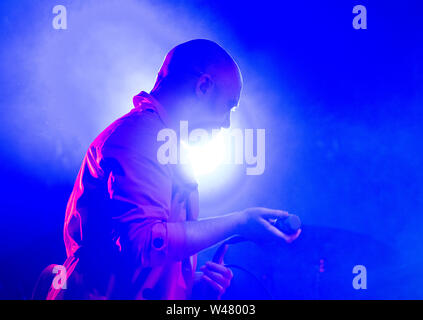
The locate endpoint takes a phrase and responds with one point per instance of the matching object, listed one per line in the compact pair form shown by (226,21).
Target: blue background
(341,108)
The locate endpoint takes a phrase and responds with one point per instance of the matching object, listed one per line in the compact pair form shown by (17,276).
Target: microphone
(289,224)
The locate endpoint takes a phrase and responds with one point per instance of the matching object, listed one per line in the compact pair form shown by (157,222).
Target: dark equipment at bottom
(318,265)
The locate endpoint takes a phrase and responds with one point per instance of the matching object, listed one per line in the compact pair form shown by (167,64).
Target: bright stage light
(206,157)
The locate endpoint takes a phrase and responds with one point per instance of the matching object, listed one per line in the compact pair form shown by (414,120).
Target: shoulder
(136,131)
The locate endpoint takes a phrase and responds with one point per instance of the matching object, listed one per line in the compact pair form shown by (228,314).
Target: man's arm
(137,181)
(190,237)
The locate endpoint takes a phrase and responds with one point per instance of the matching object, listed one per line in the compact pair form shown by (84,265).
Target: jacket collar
(146,101)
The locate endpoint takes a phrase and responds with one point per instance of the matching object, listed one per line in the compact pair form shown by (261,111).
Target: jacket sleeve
(140,191)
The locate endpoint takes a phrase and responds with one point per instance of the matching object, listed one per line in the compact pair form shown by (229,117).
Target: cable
(253,276)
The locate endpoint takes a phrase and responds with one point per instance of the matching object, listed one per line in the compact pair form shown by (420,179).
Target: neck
(169,103)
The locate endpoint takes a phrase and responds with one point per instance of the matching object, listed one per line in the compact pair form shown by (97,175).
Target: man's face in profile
(215,99)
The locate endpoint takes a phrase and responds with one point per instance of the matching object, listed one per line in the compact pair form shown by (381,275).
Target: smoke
(62,87)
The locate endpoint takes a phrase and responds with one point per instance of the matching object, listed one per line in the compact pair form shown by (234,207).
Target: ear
(205,85)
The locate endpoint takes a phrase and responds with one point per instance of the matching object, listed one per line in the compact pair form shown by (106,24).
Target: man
(131,228)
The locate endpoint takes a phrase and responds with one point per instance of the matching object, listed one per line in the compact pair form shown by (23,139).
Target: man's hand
(212,282)
(258,225)
(190,237)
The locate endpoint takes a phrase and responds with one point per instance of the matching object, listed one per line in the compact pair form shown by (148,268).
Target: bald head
(201,71)
(195,57)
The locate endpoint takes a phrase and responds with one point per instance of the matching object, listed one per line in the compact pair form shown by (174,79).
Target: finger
(275,232)
(224,272)
(293,236)
(219,268)
(213,284)
(273,213)
(217,277)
